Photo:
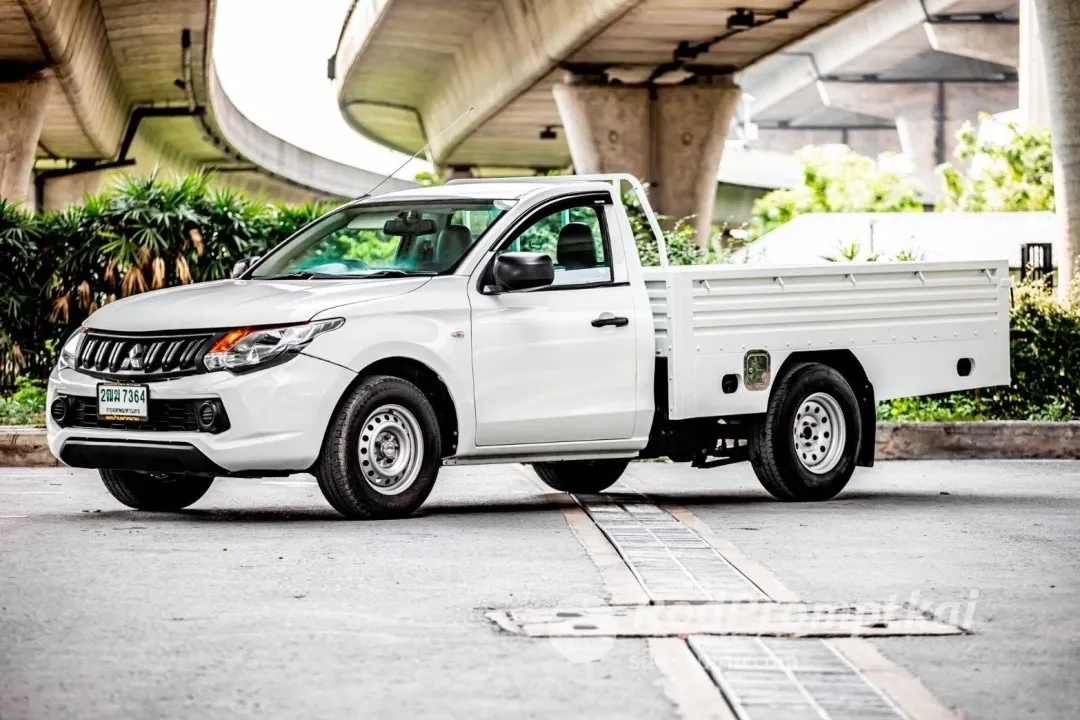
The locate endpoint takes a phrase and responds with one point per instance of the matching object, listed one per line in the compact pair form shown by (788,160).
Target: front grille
(135,357)
(164,416)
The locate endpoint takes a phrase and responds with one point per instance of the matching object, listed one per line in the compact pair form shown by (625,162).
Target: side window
(575,239)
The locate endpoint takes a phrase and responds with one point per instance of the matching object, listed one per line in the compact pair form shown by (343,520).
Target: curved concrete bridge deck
(88,86)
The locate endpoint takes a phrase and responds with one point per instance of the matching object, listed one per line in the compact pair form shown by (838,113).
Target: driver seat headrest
(453,242)
(575,249)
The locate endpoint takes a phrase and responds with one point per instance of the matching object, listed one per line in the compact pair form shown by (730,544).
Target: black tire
(776,454)
(157,492)
(342,473)
(581,476)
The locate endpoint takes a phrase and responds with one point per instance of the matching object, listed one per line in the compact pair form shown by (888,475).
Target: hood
(241,303)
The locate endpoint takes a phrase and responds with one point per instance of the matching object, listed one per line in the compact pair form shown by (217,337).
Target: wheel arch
(845,363)
(430,383)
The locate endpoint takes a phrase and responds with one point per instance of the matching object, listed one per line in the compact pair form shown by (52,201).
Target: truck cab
(507,321)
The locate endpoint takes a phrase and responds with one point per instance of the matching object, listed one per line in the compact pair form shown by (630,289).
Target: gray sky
(271,58)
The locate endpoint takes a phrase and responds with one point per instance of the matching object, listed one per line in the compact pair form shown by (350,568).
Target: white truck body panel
(531,375)
(906,323)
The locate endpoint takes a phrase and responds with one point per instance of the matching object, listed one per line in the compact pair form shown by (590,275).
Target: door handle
(612,321)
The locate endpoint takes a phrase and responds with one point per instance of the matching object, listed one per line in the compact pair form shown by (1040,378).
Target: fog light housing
(206,415)
(58,410)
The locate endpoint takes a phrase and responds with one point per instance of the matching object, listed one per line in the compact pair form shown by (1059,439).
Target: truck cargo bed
(913,326)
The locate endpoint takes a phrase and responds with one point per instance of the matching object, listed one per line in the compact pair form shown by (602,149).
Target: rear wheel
(161,492)
(581,476)
(804,447)
(381,454)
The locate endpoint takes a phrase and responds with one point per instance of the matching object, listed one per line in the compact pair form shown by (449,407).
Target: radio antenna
(442,132)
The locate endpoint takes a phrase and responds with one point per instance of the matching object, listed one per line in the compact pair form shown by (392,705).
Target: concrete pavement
(259,600)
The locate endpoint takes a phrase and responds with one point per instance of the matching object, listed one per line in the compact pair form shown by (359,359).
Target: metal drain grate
(753,619)
(670,560)
(785,679)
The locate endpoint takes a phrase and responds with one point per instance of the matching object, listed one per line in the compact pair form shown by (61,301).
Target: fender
(430,326)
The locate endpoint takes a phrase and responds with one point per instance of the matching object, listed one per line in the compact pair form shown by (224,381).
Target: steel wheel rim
(391,449)
(820,433)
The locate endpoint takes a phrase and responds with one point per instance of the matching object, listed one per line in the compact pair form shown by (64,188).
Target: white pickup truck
(509,321)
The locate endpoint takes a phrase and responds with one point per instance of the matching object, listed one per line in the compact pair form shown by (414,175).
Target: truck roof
(489,189)
(479,191)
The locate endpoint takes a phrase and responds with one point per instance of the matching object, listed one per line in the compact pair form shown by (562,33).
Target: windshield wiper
(396,273)
(300,276)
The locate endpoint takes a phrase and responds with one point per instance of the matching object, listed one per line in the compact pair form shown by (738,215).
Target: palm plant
(18,287)
(232,228)
(152,233)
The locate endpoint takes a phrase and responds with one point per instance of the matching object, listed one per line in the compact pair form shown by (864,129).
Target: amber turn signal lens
(231,338)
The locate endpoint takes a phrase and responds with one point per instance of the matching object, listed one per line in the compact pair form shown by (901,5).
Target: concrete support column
(22,115)
(927,114)
(1034,102)
(60,192)
(457,173)
(669,136)
(1059,27)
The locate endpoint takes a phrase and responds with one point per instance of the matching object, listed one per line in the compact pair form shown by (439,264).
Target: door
(558,364)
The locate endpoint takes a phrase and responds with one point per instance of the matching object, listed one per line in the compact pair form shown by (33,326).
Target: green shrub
(1044,343)
(1014,175)
(26,406)
(141,233)
(24,277)
(678,235)
(836,180)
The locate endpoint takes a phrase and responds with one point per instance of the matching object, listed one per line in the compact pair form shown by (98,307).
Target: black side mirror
(523,270)
(242,266)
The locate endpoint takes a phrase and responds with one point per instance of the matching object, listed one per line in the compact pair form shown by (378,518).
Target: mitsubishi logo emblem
(134,359)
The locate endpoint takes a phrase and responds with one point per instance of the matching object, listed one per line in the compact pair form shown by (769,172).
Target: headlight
(70,350)
(247,348)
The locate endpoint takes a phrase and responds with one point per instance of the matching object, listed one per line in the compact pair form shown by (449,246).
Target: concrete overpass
(898,75)
(643,86)
(646,86)
(89,87)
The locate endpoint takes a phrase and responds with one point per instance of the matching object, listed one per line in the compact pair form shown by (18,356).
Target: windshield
(383,240)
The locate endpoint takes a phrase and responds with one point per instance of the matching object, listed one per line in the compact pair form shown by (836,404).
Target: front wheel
(581,476)
(381,454)
(159,492)
(804,447)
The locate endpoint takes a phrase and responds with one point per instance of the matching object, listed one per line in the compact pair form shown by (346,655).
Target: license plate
(123,403)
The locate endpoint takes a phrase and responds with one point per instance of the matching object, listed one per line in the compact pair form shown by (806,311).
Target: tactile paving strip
(784,679)
(671,561)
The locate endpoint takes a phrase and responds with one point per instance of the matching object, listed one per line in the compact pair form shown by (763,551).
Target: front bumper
(278,417)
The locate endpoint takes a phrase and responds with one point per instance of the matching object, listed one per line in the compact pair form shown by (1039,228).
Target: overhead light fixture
(548,133)
(741,18)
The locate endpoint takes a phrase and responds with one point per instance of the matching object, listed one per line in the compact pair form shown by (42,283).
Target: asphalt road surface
(260,601)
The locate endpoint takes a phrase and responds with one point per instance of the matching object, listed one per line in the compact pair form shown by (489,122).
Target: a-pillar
(927,114)
(671,136)
(22,115)
(1059,27)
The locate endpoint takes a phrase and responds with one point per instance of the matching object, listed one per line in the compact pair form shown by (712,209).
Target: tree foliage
(836,179)
(1011,175)
(141,233)
(21,290)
